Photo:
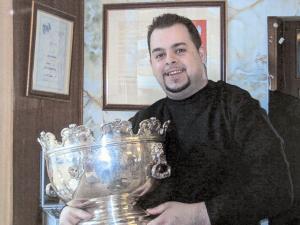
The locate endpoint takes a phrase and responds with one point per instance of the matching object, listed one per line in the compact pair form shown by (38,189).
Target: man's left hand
(175,213)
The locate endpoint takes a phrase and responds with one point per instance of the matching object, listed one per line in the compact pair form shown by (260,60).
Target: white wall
(6,112)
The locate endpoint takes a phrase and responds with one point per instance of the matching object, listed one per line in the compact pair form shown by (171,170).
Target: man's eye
(159,56)
(180,50)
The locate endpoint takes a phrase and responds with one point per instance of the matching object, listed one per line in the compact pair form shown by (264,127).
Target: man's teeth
(174,72)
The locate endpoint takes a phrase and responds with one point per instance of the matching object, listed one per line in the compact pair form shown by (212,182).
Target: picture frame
(128,83)
(50,53)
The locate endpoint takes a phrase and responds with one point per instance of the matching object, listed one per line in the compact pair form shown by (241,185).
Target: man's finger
(159,209)
(143,192)
(157,221)
(81,214)
(137,191)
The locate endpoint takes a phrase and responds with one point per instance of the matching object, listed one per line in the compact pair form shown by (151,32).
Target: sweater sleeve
(263,188)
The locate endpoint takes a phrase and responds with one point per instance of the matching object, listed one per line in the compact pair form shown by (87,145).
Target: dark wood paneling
(32,115)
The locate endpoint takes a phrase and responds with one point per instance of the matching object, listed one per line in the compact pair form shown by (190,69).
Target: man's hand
(148,186)
(175,213)
(72,216)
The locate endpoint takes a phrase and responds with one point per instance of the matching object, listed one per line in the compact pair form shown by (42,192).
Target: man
(284,113)
(228,166)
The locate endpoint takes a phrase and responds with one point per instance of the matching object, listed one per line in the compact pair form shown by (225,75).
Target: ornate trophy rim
(113,133)
(131,140)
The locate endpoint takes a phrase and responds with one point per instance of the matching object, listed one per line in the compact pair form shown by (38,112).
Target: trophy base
(116,210)
(132,220)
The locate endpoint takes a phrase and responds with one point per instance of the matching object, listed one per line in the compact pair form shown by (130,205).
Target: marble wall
(246,51)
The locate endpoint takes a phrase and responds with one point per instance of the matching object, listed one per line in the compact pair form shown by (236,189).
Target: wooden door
(291,58)
(284,54)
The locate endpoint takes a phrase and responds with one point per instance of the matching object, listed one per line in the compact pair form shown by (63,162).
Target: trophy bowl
(101,175)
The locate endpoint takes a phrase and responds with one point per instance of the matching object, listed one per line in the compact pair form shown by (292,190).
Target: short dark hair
(167,20)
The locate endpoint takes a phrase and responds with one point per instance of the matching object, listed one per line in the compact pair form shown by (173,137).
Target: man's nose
(171,58)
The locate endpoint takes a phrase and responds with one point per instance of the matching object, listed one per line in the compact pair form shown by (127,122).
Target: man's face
(176,62)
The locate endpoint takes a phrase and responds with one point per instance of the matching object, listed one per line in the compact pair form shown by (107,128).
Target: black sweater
(223,151)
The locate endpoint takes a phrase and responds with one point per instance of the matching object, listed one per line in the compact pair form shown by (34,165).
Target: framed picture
(128,83)
(50,53)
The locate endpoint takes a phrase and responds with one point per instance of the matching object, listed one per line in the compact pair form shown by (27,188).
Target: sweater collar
(194,97)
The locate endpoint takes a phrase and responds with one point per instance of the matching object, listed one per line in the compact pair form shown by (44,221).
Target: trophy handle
(50,191)
(160,168)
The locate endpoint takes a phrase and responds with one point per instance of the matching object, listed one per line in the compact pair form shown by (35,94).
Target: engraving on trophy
(99,176)
(75,172)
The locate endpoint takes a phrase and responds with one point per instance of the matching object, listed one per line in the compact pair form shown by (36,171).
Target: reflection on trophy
(101,175)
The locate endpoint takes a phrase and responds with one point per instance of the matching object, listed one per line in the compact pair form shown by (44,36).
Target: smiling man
(175,62)
(228,163)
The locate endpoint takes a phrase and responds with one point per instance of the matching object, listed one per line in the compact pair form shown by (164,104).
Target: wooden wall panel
(32,115)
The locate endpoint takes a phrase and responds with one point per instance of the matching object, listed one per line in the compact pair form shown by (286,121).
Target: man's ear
(202,54)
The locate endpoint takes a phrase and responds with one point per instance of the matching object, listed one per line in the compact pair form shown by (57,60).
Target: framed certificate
(128,83)
(50,53)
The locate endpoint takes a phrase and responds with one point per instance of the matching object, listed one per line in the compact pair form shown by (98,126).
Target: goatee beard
(179,89)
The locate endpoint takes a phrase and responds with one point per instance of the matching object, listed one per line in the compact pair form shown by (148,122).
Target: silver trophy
(101,175)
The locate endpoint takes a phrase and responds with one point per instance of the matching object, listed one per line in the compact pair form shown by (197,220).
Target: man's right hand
(72,216)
